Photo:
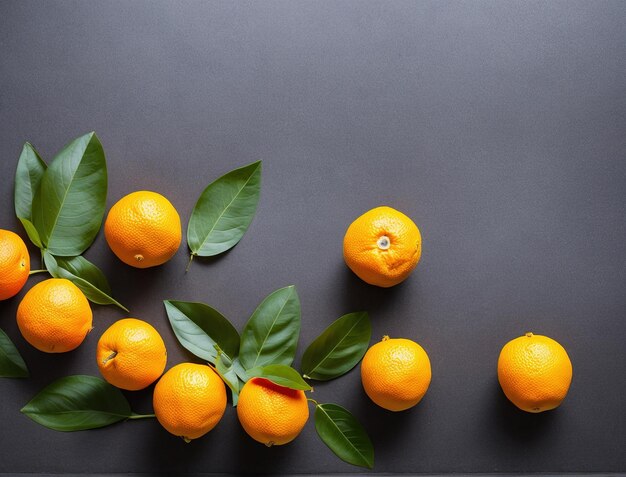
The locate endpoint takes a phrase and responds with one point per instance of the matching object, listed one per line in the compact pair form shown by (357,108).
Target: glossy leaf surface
(224,211)
(271,334)
(69,205)
(339,348)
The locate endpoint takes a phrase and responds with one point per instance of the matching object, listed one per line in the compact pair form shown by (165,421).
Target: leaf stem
(32,272)
(189,263)
(313,401)
(140,416)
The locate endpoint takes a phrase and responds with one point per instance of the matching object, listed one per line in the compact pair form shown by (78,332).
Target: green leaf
(280,374)
(76,403)
(271,334)
(11,363)
(224,211)
(344,435)
(69,205)
(199,328)
(224,368)
(30,170)
(239,369)
(339,348)
(31,231)
(85,275)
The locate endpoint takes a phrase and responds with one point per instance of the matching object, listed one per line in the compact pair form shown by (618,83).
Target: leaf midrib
(344,436)
(56,220)
(77,411)
(336,346)
(226,208)
(271,327)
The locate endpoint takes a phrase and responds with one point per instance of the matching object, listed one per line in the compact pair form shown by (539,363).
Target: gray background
(499,127)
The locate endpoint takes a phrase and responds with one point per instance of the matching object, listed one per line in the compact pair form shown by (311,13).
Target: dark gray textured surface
(499,127)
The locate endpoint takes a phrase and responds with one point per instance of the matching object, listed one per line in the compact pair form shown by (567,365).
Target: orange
(14,264)
(189,400)
(54,316)
(131,354)
(271,414)
(143,229)
(382,246)
(534,372)
(396,373)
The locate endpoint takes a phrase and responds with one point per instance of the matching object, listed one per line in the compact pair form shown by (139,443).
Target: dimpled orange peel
(143,229)
(396,373)
(382,246)
(189,400)
(271,414)
(54,316)
(14,264)
(131,354)
(534,372)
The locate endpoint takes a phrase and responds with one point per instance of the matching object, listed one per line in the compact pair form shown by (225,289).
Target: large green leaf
(85,275)
(344,435)
(11,363)
(199,328)
(280,374)
(69,205)
(76,403)
(271,334)
(30,170)
(224,211)
(339,348)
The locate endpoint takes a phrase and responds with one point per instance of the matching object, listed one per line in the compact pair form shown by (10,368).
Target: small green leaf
(241,372)
(69,205)
(224,211)
(344,435)
(76,403)
(31,231)
(85,275)
(11,363)
(271,334)
(339,348)
(224,368)
(199,328)
(30,170)
(280,374)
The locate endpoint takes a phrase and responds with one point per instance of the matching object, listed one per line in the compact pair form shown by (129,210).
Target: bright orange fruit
(534,372)
(14,264)
(396,373)
(131,354)
(54,316)
(271,414)
(189,400)
(143,229)
(382,246)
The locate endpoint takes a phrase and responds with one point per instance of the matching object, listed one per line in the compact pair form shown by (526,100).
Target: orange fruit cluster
(382,247)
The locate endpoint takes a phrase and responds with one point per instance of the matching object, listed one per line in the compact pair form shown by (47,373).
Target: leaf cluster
(266,348)
(61,207)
